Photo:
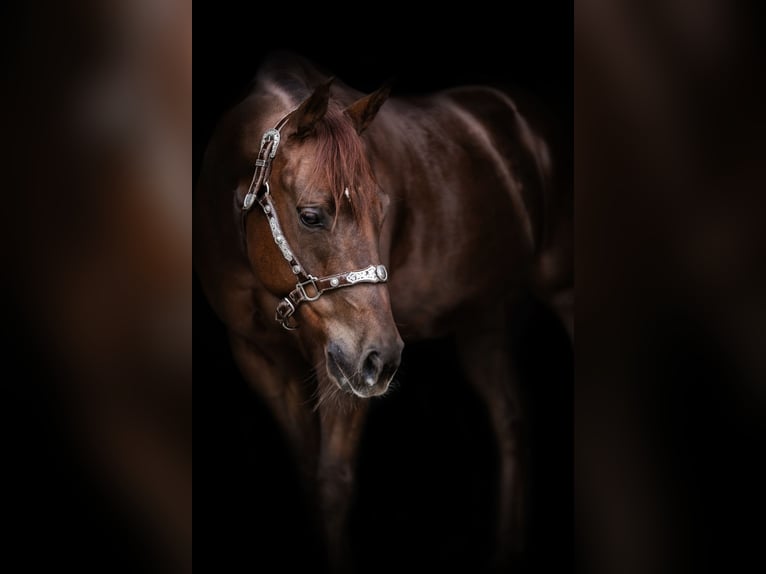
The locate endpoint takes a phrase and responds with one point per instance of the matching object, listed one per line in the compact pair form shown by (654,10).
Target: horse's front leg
(484,353)
(284,393)
(341,430)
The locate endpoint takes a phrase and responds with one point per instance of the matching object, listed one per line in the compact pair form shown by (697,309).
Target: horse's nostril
(335,353)
(371,368)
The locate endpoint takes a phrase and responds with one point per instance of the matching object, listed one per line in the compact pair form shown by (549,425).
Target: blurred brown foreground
(96,227)
(670,390)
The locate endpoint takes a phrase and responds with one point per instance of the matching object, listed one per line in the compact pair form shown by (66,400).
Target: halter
(308,288)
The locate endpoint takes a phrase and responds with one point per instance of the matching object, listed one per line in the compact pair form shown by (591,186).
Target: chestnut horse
(357,222)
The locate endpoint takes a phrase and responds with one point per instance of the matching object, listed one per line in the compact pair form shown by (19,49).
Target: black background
(425,477)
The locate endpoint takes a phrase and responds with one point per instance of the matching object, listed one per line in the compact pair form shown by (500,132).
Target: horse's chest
(437,284)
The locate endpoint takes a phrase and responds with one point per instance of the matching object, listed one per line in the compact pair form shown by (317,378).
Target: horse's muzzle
(365,374)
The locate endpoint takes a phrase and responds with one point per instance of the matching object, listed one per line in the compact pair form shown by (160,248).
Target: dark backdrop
(425,493)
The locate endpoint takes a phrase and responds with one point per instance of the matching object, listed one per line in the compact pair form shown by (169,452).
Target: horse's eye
(310,217)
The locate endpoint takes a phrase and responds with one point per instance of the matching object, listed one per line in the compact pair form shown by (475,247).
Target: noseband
(307,288)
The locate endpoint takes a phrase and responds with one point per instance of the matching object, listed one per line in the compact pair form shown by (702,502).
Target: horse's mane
(341,160)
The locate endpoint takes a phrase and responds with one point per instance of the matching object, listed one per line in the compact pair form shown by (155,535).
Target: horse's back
(521,131)
(517,143)
(478,200)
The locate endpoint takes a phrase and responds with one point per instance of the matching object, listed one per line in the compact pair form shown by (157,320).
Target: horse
(332,227)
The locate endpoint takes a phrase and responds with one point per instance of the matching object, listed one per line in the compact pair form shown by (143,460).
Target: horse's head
(331,213)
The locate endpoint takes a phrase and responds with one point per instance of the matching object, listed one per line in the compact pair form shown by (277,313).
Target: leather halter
(308,288)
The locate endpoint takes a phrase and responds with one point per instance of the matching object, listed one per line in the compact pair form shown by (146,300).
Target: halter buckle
(285,310)
(312,281)
(272,135)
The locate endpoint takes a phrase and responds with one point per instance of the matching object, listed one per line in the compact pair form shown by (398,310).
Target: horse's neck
(399,142)
(219,260)
(400,146)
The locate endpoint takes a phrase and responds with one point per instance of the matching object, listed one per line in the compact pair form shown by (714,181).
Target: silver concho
(363,275)
(381,272)
(286,253)
(373,274)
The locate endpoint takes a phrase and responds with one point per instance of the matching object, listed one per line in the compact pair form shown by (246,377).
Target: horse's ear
(312,109)
(363,111)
